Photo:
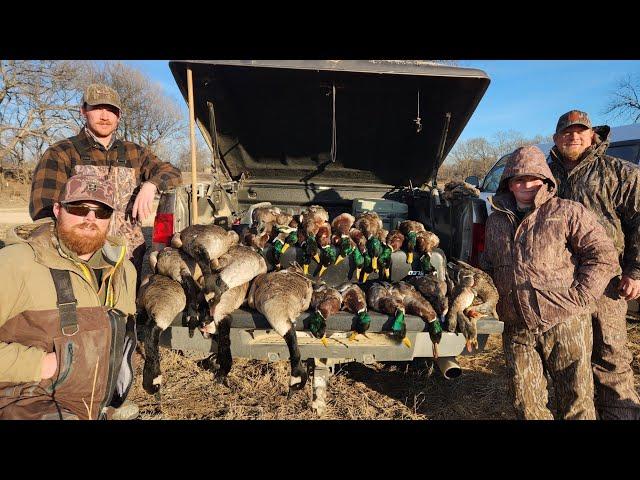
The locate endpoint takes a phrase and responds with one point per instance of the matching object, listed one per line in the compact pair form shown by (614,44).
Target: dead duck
(205,243)
(313,218)
(240,264)
(328,254)
(392,242)
(286,237)
(160,300)
(360,243)
(281,297)
(410,229)
(425,243)
(461,298)
(263,218)
(325,301)
(355,301)
(485,290)
(416,304)
(182,268)
(251,238)
(340,227)
(381,298)
(369,223)
(434,290)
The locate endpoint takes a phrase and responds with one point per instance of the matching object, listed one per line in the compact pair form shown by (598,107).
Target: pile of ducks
(208,272)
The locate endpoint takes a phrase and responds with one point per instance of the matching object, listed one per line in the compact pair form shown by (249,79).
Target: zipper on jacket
(111,374)
(67,368)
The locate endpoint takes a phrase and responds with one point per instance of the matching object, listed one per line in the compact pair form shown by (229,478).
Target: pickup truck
(336,134)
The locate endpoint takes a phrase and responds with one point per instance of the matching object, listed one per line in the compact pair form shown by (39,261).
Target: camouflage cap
(88,188)
(574,117)
(101,94)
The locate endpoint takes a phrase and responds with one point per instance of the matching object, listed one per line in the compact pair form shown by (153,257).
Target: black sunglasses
(82,210)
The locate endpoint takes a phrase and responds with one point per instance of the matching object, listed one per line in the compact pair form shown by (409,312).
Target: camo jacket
(610,188)
(553,264)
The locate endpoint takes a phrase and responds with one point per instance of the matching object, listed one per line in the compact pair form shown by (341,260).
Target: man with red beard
(67,331)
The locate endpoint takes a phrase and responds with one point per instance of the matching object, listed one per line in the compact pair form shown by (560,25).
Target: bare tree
(477,155)
(624,101)
(37,103)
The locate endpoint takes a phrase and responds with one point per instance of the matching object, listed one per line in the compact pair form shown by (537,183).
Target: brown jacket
(554,263)
(30,326)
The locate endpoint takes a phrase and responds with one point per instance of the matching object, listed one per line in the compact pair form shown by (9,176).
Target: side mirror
(473,180)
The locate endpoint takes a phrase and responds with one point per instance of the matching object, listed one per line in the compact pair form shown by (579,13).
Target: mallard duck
(281,297)
(286,237)
(382,298)
(410,229)
(327,253)
(393,242)
(325,301)
(205,243)
(264,218)
(462,296)
(251,238)
(359,253)
(485,290)
(312,219)
(355,301)
(341,226)
(416,304)
(425,243)
(434,290)
(369,223)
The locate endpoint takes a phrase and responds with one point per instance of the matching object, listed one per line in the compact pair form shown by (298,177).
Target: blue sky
(527,96)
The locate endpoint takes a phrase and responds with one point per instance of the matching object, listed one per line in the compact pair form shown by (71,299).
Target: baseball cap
(573,117)
(88,188)
(101,94)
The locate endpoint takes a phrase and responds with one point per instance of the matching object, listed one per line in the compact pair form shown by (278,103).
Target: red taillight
(477,244)
(163,228)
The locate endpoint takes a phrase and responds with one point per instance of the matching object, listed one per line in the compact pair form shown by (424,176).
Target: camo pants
(564,352)
(616,397)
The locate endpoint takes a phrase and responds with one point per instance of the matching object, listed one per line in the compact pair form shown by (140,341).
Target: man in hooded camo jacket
(550,260)
(610,188)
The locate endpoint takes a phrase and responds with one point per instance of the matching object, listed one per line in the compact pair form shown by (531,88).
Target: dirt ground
(258,390)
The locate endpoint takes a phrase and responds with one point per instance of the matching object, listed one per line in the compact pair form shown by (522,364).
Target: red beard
(83,238)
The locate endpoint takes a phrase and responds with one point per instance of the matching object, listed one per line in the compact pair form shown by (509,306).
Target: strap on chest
(67,303)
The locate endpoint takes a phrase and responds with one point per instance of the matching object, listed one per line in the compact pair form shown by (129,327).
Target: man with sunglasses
(136,173)
(610,188)
(67,332)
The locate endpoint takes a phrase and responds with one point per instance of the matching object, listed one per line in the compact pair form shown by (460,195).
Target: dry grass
(257,390)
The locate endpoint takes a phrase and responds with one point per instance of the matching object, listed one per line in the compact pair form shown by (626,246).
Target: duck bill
(410,258)
(316,257)
(339,259)
(322,270)
(387,273)
(305,268)
(285,247)
(406,342)
(365,275)
(374,263)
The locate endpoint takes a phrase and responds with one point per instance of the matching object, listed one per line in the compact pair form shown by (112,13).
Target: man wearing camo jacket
(610,188)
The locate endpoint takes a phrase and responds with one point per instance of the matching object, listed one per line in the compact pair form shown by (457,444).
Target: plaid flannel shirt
(58,162)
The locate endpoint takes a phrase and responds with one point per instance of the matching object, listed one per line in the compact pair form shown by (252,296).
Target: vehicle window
(492,180)
(626,152)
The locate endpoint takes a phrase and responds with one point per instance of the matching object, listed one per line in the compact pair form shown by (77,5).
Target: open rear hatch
(366,124)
